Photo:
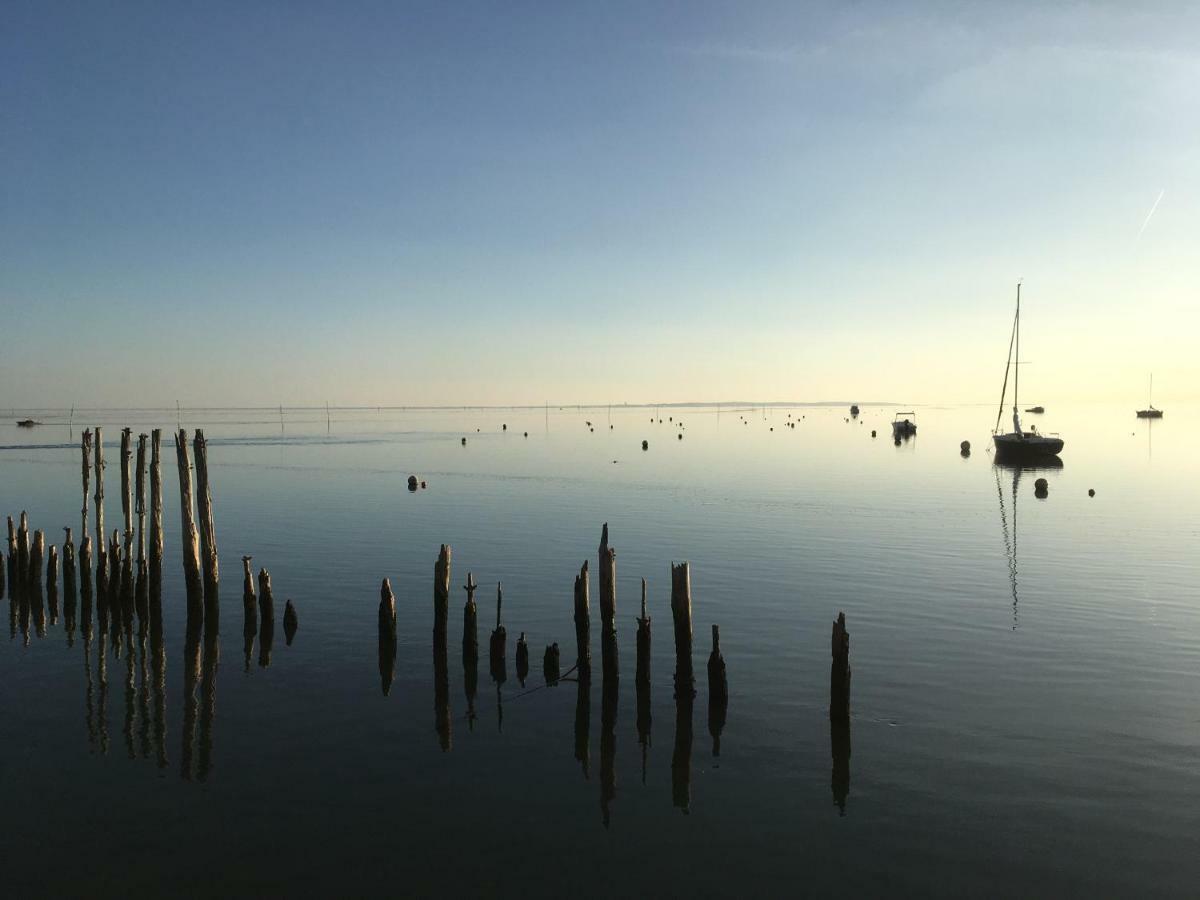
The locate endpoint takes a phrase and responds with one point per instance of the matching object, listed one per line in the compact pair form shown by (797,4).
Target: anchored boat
(906,427)
(1150,412)
(1018,444)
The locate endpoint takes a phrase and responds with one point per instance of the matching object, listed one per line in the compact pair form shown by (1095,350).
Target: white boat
(1018,444)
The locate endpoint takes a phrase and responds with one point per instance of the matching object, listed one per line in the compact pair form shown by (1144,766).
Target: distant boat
(27,423)
(1150,412)
(1036,409)
(1020,444)
(854,409)
(904,427)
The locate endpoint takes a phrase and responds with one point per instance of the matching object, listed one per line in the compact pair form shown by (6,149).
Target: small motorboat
(1036,409)
(1020,445)
(906,427)
(27,423)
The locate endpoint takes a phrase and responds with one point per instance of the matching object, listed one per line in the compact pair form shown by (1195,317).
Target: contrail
(1150,215)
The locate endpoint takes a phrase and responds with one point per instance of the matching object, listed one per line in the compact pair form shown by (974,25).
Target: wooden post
(387,636)
(470,641)
(37,558)
(608,608)
(13,575)
(191,542)
(441,592)
(497,646)
(141,498)
(98,497)
(70,584)
(266,605)
(52,582)
(249,612)
(86,447)
(839,673)
(583,650)
(522,659)
(156,529)
(208,528)
(643,643)
(113,600)
(85,581)
(127,486)
(718,688)
(551,664)
(23,552)
(681,612)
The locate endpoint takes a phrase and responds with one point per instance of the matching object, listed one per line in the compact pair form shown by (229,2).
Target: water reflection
(839,742)
(644,721)
(681,755)
(583,714)
(1008,514)
(441,692)
(608,747)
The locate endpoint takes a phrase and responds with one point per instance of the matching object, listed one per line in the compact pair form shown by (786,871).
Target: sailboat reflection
(1008,523)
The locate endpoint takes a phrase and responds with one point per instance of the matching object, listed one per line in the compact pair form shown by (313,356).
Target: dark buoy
(681,437)
(423,485)
(872,433)
(1091,492)
(527,434)
(412,482)
(1041,488)
(965,446)
(464,442)
(645,445)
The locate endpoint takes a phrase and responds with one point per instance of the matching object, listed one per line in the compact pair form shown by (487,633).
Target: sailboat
(1020,445)
(1150,412)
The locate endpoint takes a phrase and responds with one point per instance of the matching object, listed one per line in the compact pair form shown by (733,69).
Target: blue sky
(404,203)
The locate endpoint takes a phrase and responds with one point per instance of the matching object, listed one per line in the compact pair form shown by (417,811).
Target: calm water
(1023,723)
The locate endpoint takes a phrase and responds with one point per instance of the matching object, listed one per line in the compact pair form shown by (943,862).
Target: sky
(457,203)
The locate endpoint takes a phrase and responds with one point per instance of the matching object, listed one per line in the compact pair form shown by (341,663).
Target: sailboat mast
(1017,360)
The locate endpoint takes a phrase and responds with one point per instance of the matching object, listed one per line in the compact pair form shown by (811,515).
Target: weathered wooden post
(441,591)
(608,608)
(23,578)
(266,604)
(52,582)
(497,645)
(208,528)
(140,505)
(113,600)
(127,486)
(156,529)
(37,559)
(191,539)
(14,570)
(681,612)
(522,659)
(85,581)
(643,643)
(290,622)
(85,446)
(583,650)
(551,665)
(70,582)
(98,497)
(470,642)
(2,578)
(839,673)
(249,612)
(387,636)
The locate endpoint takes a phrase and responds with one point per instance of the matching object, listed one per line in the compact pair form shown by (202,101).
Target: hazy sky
(240,203)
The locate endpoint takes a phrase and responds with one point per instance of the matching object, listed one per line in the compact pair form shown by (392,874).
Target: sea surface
(1025,702)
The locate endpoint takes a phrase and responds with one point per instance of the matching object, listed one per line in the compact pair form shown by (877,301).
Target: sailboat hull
(1149,413)
(1022,447)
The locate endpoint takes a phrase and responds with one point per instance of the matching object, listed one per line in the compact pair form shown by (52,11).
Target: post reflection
(608,747)
(583,715)
(441,691)
(208,699)
(681,755)
(839,743)
(644,721)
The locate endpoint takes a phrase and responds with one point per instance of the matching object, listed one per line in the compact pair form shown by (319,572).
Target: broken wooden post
(441,593)
(608,608)
(583,650)
(85,582)
(249,612)
(52,582)
(2,578)
(642,675)
(266,632)
(718,688)
(98,497)
(23,552)
(551,664)
(497,646)
(13,577)
(290,622)
(37,558)
(387,636)
(191,538)
(204,512)
(156,529)
(522,659)
(681,612)
(470,641)
(140,498)
(85,446)
(113,599)
(127,486)
(70,583)
(839,673)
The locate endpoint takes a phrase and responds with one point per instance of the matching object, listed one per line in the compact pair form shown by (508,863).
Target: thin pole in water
(281,418)
(178,416)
